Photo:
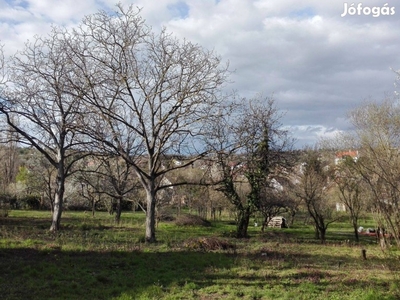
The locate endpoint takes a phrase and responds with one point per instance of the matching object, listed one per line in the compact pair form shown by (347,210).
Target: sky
(318,59)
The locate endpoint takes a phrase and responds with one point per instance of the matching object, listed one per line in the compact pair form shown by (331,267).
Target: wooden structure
(278,222)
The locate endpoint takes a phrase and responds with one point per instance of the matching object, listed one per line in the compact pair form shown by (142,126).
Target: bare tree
(376,134)
(194,195)
(41,178)
(8,151)
(2,68)
(39,106)
(249,148)
(352,190)
(315,182)
(151,95)
(276,198)
(9,159)
(110,176)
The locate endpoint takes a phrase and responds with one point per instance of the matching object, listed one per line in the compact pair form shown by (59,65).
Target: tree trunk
(317,233)
(93,206)
(118,210)
(243,223)
(356,232)
(354,222)
(292,216)
(58,201)
(264,224)
(151,214)
(322,232)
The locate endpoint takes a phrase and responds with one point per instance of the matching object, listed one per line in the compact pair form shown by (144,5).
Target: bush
(78,207)
(4,209)
(191,220)
(30,202)
(126,205)
(9,201)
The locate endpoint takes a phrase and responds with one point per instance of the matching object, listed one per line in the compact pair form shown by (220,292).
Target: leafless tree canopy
(149,95)
(250,150)
(377,127)
(41,109)
(315,183)
(116,87)
(2,68)
(113,81)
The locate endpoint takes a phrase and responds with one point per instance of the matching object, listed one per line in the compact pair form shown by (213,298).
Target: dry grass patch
(191,220)
(208,244)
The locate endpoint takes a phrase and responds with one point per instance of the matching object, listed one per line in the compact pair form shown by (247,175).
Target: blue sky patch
(19,3)
(303,13)
(179,10)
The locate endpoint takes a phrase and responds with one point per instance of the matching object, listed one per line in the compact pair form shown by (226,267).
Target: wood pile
(278,222)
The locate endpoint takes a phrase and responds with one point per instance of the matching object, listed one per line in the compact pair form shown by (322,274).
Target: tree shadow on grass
(26,222)
(44,271)
(59,274)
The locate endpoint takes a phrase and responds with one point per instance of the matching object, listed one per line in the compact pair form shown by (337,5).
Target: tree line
(122,102)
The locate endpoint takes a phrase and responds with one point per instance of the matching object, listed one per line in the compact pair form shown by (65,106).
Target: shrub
(31,202)
(7,202)
(78,207)
(9,199)
(4,209)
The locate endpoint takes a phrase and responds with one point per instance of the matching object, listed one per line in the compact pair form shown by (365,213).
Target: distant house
(341,155)
(340,206)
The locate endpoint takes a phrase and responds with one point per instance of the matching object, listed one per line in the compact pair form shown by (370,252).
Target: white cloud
(60,12)
(308,135)
(317,64)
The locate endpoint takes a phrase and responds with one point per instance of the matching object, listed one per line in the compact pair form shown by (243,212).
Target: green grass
(94,258)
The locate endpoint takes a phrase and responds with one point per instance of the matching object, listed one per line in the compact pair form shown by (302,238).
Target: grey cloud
(317,64)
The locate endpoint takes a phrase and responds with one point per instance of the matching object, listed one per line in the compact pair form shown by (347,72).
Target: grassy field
(93,258)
